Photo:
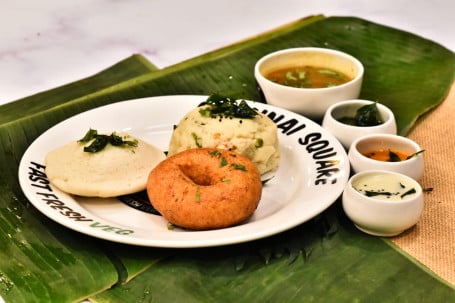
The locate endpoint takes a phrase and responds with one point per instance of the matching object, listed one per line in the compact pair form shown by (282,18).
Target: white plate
(313,172)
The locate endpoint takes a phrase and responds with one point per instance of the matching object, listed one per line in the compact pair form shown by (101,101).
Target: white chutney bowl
(377,213)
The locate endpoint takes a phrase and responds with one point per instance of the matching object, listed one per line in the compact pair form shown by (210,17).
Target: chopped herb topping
(371,193)
(238,166)
(388,194)
(215,153)
(224,179)
(196,139)
(259,143)
(101,141)
(198,194)
(226,107)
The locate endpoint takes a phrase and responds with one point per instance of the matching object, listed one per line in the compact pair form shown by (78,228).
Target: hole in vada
(196,176)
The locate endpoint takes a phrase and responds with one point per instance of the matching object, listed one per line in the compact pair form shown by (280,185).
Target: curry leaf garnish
(371,193)
(226,107)
(415,154)
(409,192)
(100,141)
(393,157)
(98,144)
(368,115)
(89,135)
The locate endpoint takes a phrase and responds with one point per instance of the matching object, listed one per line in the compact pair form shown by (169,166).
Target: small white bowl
(412,167)
(310,102)
(346,133)
(378,215)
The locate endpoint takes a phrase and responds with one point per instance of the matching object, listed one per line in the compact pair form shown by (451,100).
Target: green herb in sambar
(307,77)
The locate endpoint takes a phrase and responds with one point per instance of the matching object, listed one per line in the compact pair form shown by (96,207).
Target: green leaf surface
(344,267)
(40,261)
(52,263)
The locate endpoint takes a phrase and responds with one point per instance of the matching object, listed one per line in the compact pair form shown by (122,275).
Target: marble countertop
(49,43)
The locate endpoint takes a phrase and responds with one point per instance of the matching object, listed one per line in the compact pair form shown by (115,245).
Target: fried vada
(205,188)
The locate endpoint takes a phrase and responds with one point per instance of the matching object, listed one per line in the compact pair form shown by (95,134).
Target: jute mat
(432,240)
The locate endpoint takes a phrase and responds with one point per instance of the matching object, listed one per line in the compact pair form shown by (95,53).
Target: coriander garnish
(196,139)
(238,166)
(215,153)
(100,141)
(198,194)
(259,142)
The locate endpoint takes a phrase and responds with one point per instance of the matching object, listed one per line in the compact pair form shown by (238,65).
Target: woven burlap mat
(432,240)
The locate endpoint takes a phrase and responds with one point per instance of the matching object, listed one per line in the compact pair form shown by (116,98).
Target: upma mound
(254,137)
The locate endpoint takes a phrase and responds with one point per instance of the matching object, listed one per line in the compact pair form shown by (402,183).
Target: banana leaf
(342,267)
(39,260)
(400,70)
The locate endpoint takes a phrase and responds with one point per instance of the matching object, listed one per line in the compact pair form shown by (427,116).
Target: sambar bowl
(309,101)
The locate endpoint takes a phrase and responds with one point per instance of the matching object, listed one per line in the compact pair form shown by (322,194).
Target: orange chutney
(307,77)
(387,155)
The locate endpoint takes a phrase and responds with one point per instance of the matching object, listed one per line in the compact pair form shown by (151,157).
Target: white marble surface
(48,43)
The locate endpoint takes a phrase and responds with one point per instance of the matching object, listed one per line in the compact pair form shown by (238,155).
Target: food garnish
(196,139)
(307,77)
(390,155)
(100,141)
(416,154)
(367,115)
(226,107)
(393,195)
(238,166)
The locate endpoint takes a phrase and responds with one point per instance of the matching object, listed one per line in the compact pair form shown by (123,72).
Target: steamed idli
(109,172)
